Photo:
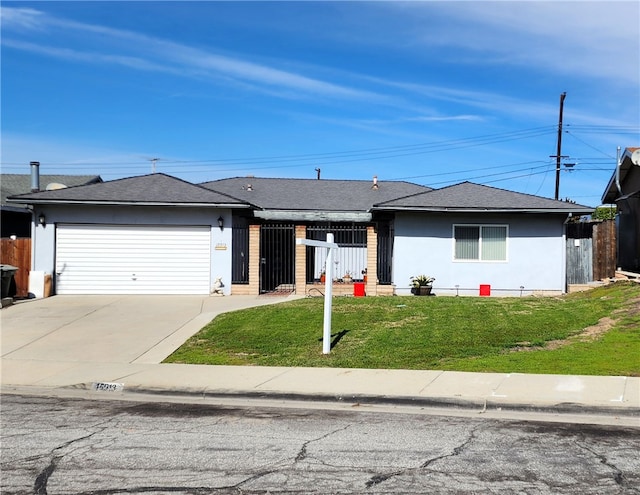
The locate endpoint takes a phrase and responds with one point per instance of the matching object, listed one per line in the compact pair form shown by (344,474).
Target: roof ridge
(367,181)
(484,186)
(509,191)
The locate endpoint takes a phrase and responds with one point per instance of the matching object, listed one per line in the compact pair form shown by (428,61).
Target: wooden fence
(18,253)
(604,250)
(591,251)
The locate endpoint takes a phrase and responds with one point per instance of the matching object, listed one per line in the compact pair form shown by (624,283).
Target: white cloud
(90,57)
(21,18)
(148,53)
(596,39)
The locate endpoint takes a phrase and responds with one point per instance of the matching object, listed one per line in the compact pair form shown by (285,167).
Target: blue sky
(431,92)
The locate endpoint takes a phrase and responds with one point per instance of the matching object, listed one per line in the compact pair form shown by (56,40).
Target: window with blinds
(480,242)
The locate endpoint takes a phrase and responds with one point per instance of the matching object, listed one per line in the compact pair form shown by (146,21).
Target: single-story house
(159,234)
(623,190)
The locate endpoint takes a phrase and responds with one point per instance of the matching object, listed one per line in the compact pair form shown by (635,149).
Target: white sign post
(328,286)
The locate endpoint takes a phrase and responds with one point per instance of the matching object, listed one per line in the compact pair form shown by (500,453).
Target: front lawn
(521,334)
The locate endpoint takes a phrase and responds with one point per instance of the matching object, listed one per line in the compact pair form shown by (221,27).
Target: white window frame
(480,227)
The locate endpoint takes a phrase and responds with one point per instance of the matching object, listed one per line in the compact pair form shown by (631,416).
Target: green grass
(447,333)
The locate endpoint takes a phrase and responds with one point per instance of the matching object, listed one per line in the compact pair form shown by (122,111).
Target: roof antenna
(318,170)
(153,164)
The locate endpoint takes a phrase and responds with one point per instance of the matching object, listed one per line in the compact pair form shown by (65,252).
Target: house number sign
(107,387)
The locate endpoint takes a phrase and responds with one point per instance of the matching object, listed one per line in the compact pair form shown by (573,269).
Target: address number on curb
(107,387)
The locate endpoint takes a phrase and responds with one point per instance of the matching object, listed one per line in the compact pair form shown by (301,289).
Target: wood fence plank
(18,253)
(604,256)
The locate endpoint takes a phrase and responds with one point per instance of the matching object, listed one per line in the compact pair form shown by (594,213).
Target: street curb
(452,403)
(471,404)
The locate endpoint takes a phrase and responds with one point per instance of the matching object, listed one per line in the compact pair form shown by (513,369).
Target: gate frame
(290,264)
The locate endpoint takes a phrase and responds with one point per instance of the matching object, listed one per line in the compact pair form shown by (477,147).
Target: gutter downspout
(564,253)
(618,173)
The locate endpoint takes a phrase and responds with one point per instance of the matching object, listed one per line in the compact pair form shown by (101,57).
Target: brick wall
(372,262)
(301,261)
(254,259)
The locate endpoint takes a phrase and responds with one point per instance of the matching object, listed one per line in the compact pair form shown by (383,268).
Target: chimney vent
(375,182)
(35,176)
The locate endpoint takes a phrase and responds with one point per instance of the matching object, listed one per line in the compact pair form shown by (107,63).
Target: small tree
(604,212)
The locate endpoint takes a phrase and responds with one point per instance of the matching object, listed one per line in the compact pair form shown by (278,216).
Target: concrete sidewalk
(71,343)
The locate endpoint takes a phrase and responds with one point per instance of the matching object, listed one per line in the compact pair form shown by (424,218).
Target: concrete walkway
(74,342)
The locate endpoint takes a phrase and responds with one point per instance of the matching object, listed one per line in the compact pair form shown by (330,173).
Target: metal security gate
(385,253)
(240,251)
(350,260)
(277,258)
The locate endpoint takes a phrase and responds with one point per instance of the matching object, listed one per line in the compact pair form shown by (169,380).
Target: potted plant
(347,277)
(421,285)
(323,273)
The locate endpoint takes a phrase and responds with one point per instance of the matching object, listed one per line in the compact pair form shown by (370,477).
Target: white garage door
(132,259)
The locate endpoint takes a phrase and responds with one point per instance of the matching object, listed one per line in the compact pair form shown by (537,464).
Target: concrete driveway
(110,329)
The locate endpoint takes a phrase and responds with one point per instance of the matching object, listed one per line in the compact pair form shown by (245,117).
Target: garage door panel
(106,259)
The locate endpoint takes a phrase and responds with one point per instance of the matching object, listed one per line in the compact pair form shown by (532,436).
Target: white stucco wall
(43,238)
(535,254)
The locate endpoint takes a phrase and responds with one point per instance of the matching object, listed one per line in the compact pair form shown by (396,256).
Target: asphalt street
(99,447)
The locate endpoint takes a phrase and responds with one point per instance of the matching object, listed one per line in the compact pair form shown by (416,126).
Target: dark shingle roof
(467,196)
(155,189)
(13,184)
(305,195)
(312,194)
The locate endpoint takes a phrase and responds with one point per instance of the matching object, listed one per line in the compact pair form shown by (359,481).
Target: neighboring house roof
(300,198)
(470,197)
(14,184)
(152,190)
(611,192)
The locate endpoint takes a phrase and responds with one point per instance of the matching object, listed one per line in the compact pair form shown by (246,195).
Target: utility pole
(559,150)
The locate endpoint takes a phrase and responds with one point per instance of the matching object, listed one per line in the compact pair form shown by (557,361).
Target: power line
(465,171)
(377,153)
(502,173)
(569,133)
(354,155)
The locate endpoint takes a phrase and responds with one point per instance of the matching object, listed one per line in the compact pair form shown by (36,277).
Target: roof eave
(580,210)
(609,195)
(15,209)
(126,203)
(314,215)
